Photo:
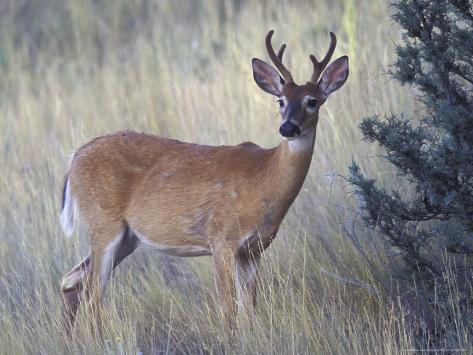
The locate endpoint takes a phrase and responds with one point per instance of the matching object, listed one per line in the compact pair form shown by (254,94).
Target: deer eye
(280,103)
(311,103)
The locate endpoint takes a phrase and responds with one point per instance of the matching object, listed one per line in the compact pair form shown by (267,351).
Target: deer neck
(291,163)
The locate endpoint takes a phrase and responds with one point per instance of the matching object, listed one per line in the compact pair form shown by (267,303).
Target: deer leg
(105,258)
(246,271)
(75,281)
(224,265)
(72,285)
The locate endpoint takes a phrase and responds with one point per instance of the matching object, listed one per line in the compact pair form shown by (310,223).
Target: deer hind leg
(72,285)
(93,273)
(106,255)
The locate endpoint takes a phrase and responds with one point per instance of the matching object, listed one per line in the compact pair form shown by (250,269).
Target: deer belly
(184,249)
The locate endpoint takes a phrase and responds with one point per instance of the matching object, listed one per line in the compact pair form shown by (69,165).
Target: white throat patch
(302,143)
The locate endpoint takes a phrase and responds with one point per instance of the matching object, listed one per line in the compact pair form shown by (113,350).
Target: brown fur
(184,194)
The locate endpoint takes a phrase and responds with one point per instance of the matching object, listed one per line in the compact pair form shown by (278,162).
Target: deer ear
(334,76)
(267,77)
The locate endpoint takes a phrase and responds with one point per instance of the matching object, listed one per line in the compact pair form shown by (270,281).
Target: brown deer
(192,200)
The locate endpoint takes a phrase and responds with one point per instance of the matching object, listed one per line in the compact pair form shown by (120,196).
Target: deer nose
(289,129)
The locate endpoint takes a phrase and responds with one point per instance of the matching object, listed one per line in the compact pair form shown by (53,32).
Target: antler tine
(277,59)
(281,51)
(320,66)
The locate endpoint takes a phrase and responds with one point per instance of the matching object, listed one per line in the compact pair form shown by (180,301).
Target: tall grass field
(74,70)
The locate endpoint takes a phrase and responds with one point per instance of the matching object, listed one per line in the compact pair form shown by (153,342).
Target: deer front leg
(246,272)
(224,265)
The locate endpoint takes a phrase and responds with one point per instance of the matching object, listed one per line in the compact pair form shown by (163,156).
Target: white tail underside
(68,213)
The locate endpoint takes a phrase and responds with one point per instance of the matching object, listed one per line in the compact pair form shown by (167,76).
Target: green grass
(70,71)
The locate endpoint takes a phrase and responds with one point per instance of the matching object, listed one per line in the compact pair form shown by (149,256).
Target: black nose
(289,129)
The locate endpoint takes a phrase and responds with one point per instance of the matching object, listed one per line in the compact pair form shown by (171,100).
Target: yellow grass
(73,70)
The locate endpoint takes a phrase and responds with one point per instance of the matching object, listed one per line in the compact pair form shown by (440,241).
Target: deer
(184,199)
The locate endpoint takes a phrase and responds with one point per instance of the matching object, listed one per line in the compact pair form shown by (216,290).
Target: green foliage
(430,222)
(435,154)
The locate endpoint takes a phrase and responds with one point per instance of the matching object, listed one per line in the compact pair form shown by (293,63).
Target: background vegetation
(73,70)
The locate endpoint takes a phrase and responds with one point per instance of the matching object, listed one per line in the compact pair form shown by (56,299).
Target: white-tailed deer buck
(191,200)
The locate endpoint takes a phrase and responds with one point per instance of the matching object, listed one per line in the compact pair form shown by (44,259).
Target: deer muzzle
(289,130)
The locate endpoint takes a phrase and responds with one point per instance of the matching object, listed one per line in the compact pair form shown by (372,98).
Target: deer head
(299,104)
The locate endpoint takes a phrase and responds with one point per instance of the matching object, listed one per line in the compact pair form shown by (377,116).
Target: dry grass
(73,70)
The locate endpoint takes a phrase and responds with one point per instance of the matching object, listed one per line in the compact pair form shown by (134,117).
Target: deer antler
(320,66)
(277,59)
